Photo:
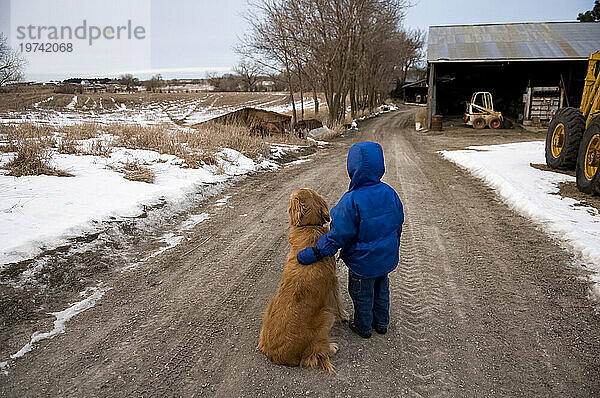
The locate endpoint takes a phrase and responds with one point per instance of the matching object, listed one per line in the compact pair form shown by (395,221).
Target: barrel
(436,122)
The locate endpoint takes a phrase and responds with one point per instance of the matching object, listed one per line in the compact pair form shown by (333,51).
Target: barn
(259,121)
(531,69)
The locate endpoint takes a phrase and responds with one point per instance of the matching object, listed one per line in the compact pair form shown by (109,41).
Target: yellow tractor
(573,137)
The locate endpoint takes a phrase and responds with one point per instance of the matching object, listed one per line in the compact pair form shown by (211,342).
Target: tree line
(353,51)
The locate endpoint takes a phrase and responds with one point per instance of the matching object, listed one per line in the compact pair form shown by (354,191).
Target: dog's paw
(343,316)
(333,348)
(326,365)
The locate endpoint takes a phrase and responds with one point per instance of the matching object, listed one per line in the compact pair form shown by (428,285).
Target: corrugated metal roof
(516,41)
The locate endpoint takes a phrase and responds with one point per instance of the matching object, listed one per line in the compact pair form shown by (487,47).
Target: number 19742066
(46,47)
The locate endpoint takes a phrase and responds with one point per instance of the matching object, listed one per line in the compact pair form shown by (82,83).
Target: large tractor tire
(563,138)
(588,160)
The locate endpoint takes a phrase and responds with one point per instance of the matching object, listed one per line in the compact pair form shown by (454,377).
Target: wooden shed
(259,121)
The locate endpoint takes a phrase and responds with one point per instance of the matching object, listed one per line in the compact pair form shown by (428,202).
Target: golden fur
(298,318)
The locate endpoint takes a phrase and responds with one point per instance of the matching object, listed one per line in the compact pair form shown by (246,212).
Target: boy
(366,224)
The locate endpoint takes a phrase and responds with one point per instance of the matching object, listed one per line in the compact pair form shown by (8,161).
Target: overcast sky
(189,37)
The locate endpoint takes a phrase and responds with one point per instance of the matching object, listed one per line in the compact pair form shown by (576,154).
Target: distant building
(530,68)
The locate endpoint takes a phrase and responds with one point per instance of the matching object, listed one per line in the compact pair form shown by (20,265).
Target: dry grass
(99,148)
(156,138)
(134,171)
(195,146)
(68,146)
(13,136)
(22,97)
(31,144)
(83,131)
(210,137)
(72,134)
(32,158)
(25,130)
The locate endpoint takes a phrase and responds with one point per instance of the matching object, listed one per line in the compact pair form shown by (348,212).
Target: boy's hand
(308,256)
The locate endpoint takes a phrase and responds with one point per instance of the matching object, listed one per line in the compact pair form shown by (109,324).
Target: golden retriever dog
(297,321)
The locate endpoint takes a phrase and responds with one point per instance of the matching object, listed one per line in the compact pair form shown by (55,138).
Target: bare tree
(411,43)
(269,42)
(248,72)
(226,82)
(12,63)
(155,83)
(128,81)
(348,49)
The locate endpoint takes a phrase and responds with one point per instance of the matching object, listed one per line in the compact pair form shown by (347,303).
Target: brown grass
(155,138)
(83,131)
(134,171)
(195,146)
(13,136)
(32,158)
(99,148)
(210,137)
(25,130)
(71,134)
(68,146)
(22,97)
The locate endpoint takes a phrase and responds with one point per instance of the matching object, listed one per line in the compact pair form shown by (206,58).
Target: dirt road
(483,303)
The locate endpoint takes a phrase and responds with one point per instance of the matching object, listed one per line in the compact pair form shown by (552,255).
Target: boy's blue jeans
(371,298)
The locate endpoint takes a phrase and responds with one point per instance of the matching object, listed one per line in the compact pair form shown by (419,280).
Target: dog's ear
(322,208)
(295,211)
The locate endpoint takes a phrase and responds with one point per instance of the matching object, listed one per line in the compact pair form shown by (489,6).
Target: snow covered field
(535,194)
(131,109)
(38,213)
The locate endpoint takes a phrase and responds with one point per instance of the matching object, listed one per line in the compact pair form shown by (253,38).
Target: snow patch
(319,143)
(37,104)
(4,368)
(62,318)
(171,240)
(299,161)
(535,194)
(193,220)
(40,213)
(234,163)
(72,104)
(223,201)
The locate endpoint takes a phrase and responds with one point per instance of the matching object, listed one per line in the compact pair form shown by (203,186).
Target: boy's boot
(379,329)
(358,332)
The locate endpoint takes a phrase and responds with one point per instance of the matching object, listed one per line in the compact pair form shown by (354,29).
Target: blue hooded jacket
(367,221)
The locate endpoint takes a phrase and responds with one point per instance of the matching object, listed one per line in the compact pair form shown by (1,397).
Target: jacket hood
(365,164)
